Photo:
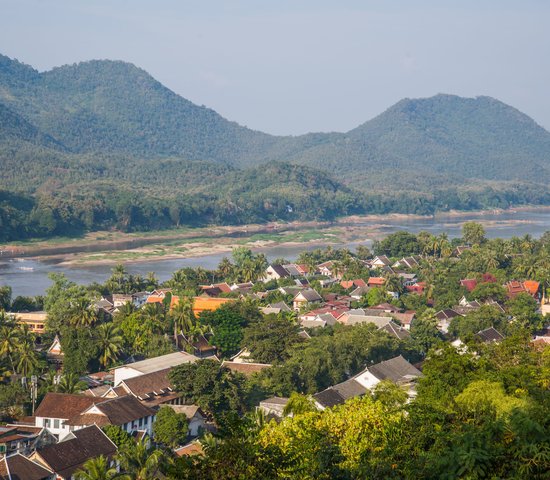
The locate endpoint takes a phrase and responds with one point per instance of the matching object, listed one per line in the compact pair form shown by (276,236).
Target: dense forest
(102,144)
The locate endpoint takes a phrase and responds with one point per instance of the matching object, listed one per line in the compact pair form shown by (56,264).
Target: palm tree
(183,316)
(9,343)
(139,462)
(153,313)
(71,383)
(225,268)
(97,469)
(27,359)
(81,314)
(109,341)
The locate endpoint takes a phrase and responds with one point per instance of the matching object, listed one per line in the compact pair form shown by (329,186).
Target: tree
(183,316)
(71,383)
(82,314)
(299,404)
(109,342)
(473,233)
(270,340)
(9,343)
(227,324)
(489,290)
(398,244)
(27,358)
(121,438)
(170,428)
(211,386)
(97,468)
(139,462)
(424,332)
(5,297)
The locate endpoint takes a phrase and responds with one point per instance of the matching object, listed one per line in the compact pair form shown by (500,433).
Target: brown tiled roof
(64,405)
(65,457)
(245,368)
(21,468)
(115,411)
(194,448)
(144,385)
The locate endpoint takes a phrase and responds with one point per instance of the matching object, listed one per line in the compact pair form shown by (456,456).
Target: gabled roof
(280,270)
(64,405)
(349,389)
(18,467)
(282,305)
(309,295)
(154,383)
(395,330)
(490,335)
(396,369)
(329,398)
(446,314)
(376,281)
(113,411)
(66,457)
(381,259)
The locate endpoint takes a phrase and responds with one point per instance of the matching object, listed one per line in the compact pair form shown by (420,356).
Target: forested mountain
(102,143)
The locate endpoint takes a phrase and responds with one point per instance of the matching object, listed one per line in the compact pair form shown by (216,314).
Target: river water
(30,277)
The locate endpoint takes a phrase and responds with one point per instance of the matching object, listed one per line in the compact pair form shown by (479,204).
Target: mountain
(115,107)
(102,143)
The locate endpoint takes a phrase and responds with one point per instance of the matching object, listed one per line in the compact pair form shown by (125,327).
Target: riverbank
(105,248)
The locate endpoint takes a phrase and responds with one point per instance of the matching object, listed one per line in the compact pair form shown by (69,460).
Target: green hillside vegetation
(102,144)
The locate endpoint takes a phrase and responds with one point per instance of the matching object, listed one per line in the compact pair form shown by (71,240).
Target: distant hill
(105,133)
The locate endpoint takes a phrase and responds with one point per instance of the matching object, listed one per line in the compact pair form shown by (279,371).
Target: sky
(297,66)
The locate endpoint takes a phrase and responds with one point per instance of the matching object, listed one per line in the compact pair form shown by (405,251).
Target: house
(404,318)
(150,365)
(376,282)
(417,288)
(444,318)
(56,409)
(380,261)
(19,467)
(121,299)
(305,297)
(36,321)
(195,417)
(69,455)
(407,262)
(395,330)
(293,270)
(126,412)
(490,335)
(275,272)
(245,368)
(326,268)
(407,278)
(191,449)
(23,439)
(458,251)
(358,293)
(302,269)
(377,320)
(200,346)
(55,352)
(397,370)
(358,282)
(152,389)
(386,307)
(273,407)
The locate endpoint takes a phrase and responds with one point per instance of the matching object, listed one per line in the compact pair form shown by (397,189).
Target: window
(56,423)
(47,423)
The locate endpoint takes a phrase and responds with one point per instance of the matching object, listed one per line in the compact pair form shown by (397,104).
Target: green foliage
(209,385)
(473,233)
(170,428)
(270,340)
(121,438)
(398,244)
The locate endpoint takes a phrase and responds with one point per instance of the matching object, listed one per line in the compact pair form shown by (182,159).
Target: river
(30,277)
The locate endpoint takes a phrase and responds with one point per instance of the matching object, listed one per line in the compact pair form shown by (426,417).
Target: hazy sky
(294,66)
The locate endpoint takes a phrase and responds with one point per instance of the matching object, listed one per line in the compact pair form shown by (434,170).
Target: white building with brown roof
(69,455)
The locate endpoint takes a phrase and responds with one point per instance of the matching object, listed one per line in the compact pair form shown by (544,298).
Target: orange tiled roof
(376,281)
(531,286)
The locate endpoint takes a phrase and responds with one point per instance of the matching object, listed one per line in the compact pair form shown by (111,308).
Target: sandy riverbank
(101,248)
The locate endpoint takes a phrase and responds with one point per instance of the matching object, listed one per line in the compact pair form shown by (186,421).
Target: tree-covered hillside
(102,144)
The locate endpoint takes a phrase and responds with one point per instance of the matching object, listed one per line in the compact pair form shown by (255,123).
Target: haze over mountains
(102,122)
